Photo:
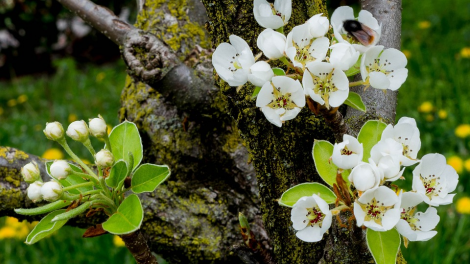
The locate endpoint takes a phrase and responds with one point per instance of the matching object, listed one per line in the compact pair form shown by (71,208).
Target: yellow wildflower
(442,114)
(463,205)
(53,154)
(16,229)
(72,117)
(466,164)
(11,102)
(424,24)
(462,131)
(117,240)
(22,98)
(7,232)
(100,76)
(465,52)
(456,163)
(407,53)
(425,107)
(429,118)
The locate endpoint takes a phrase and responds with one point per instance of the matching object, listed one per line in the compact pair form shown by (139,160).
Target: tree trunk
(215,140)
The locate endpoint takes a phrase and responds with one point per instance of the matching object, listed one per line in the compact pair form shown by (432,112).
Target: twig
(137,245)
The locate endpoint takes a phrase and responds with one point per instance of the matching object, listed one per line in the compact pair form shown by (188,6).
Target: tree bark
(214,141)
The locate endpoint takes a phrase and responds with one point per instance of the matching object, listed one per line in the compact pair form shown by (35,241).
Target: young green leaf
(72,213)
(370,134)
(118,174)
(43,209)
(383,245)
(354,100)
(255,92)
(125,138)
(355,69)
(45,227)
(279,71)
(148,176)
(71,179)
(292,195)
(322,151)
(128,217)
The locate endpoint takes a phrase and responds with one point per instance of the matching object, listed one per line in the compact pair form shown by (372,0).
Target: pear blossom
(378,209)
(233,61)
(416,226)
(344,13)
(261,73)
(347,154)
(271,43)
(343,56)
(272,15)
(318,25)
(302,48)
(384,70)
(54,131)
(407,133)
(390,166)
(386,147)
(433,179)
(34,191)
(98,127)
(366,176)
(325,84)
(60,169)
(311,216)
(30,172)
(281,99)
(78,131)
(104,158)
(51,191)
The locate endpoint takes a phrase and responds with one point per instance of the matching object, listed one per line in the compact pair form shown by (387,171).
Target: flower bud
(54,131)
(30,172)
(78,131)
(60,169)
(365,176)
(51,191)
(104,158)
(261,73)
(34,191)
(318,25)
(343,56)
(97,127)
(271,43)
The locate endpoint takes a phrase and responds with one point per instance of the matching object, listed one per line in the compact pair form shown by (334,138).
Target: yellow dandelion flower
(424,24)
(442,114)
(465,52)
(463,205)
(462,131)
(466,164)
(429,118)
(72,117)
(456,163)
(425,107)
(7,232)
(117,240)
(11,102)
(407,53)
(22,232)
(53,154)
(12,222)
(22,98)
(100,76)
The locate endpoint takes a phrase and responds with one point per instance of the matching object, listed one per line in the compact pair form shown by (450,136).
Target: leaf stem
(85,184)
(67,149)
(352,84)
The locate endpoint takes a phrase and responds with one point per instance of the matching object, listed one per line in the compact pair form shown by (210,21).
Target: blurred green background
(436,40)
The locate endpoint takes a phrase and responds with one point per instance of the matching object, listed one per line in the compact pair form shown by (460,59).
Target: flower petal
(393,59)
(310,234)
(366,18)
(397,78)
(428,220)
(379,80)
(272,116)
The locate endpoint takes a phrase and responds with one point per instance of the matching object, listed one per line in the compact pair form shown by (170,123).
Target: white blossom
(51,191)
(98,127)
(271,43)
(34,191)
(261,73)
(233,61)
(272,15)
(318,25)
(104,158)
(386,147)
(390,166)
(378,209)
(78,130)
(365,176)
(407,133)
(343,56)
(433,179)
(347,154)
(302,48)
(311,216)
(325,84)
(54,131)
(60,169)
(416,226)
(30,172)
(344,13)
(384,70)
(281,99)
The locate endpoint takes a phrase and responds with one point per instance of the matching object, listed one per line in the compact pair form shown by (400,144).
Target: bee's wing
(366,36)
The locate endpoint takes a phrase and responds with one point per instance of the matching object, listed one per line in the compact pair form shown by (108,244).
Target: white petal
(290,114)
(403,227)
(452,178)
(390,219)
(432,164)
(340,80)
(326,223)
(306,202)
(319,48)
(265,95)
(425,236)
(366,18)
(337,98)
(310,234)
(397,78)
(359,214)
(379,80)
(321,204)
(410,199)
(318,25)
(271,43)
(264,16)
(341,14)
(261,73)
(298,218)
(307,82)
(318,67)
(386,196)
(272,116)
(285,8)
(372,54)
(393,59)
(428,220)
(407,120)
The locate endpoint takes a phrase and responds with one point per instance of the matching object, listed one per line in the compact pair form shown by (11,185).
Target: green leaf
(355,69)
(118,174)
(128,217)
(383,245)
(291,196)
(71,179)
(45,228)
(322,151)
(354,100)
(255,92)
(125,138)
(72,213)
(370,134)
(148,176)
(279,71)
(43,209)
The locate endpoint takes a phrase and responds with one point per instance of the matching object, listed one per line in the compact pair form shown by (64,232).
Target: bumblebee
(360,32)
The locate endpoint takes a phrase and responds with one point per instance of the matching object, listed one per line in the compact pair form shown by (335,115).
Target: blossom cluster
(377,206)
(322,65)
